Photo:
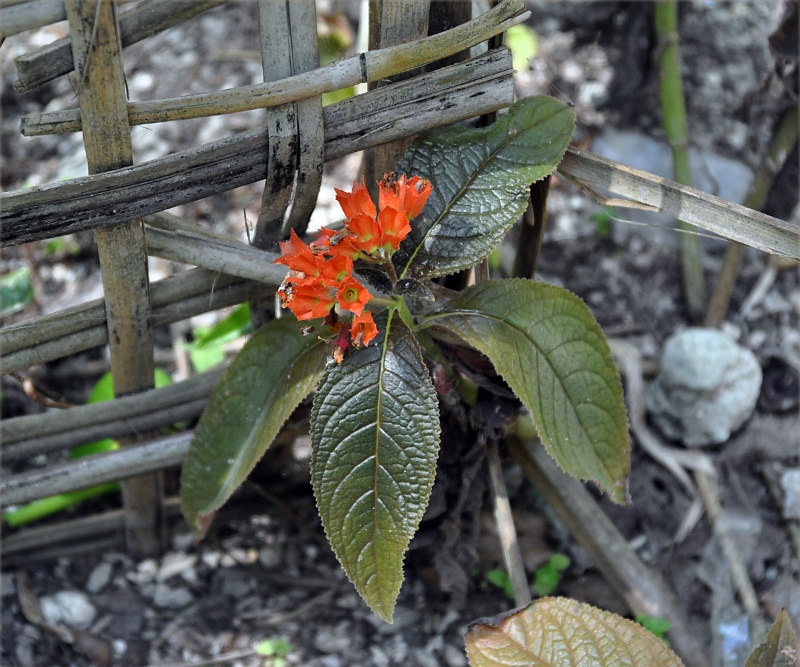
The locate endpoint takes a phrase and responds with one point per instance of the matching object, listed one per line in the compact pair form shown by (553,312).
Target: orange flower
(363,329)
(308,302)
(298,256)
(336,269)
(367,232)
(394,228)
(352,295)
(356,202)
(407,195)
(337,244)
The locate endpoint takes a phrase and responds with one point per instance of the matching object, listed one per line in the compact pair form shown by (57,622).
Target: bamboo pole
(673,109)
(438,98)
(391,22)
(38,67)
(596,175)
(366,67)
(779,150)
(97,54)
(140,459)
(31,435)
(643,590)
(83,327)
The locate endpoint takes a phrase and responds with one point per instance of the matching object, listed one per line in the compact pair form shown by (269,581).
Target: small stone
(455,657)
(99,577)
(171,598)
(146,571)
(379,658)
(333,640)
(175,563)
(707,387)
(71,608)
(790,481)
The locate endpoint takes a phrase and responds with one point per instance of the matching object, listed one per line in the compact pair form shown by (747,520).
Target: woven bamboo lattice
(124,204)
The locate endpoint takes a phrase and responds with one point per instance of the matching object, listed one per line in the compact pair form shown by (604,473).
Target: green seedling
(16,290)
(274,652)
(500,578)
(603,220)
(524,44)
(656,624)
(205,350)
(38,509)
(548,575)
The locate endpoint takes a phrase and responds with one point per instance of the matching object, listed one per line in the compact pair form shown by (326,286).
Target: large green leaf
(375,438)
(545,343)
(275,370)
(480,179)
(563,632)
(779,648)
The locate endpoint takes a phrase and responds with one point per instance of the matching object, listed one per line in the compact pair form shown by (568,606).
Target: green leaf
(16,290)
(500,578)
(206,350)
(549,575)
(545,343)
(480,179)
(567,633)
(524,43)
(275,370)
(779,648)
(375,438)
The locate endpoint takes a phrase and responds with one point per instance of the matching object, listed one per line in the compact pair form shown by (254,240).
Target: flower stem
(390,270)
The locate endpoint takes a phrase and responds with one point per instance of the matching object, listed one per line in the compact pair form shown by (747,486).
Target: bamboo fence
(124,204)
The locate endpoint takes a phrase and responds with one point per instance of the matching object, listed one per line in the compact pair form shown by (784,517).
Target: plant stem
(673,109)
(781,147)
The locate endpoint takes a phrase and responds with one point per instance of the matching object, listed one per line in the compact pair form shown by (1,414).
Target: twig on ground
(506,532)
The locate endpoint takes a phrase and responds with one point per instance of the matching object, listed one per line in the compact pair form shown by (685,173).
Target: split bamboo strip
(132,460)
(277,33)
(438,98)
(310,124)
(391,22)
(97,54)
(643,590)
(597,175)
(366,67)
(83,327)
(36,68)
(31,435)
(673,110)
(24,16)
(190,244)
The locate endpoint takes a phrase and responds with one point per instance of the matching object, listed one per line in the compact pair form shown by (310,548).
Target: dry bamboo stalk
(189,244)
(23,16)
(438,98)
(310,125)
(132,460)
(211,292)
(643,590)
(366,67)
(391,22)
(31,435)
(597,175)
(143,20)
(277,39)
(97,54)
(82,317)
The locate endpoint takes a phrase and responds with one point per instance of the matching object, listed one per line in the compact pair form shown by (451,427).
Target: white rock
(707,387)
(71,608)
(790,481)
(175,563)
(99,577)
(171,598)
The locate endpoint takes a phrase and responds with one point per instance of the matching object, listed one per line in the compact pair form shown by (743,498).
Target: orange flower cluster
(321,275)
